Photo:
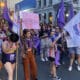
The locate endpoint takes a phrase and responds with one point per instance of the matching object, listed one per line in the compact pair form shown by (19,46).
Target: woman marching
(9,47)
(9,55)
(52,58)
(29,63)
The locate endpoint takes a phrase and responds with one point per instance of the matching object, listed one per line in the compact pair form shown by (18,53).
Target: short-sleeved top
(46,43)
(53,38)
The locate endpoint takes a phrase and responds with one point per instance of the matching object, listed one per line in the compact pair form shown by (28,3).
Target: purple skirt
(9,58)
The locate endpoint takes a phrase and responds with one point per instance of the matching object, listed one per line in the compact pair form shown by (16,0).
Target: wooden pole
(17,64)
(17,48)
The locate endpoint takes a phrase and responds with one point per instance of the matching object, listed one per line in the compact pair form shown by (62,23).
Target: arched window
(39,16)
(50,17)
(39,2)
(44,2)
(44,17)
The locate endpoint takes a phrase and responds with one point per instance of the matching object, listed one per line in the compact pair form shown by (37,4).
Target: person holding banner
(73,50)
(28,58)
(52,55)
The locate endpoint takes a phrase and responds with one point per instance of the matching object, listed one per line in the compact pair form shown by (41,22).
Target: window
(50,2)
(39,3)
(50,17)
(44,2)
(39,16)
(75,1)
(44,17)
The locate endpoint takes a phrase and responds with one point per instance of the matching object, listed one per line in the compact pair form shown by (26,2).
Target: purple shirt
(29,43)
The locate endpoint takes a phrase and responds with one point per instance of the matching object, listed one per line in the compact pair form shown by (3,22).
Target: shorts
(9,58)
(78,51)
(51,59)
(74,50)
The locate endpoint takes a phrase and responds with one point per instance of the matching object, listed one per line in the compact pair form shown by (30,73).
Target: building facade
(47,9)
(11,4)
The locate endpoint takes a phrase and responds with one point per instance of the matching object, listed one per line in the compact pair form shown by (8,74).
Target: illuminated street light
(43,14)
(2,4)
(51,18)
(67,14)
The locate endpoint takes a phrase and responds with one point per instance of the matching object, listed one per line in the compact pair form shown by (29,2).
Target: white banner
(73,27)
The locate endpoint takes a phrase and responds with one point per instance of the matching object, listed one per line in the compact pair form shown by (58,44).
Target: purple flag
(6,16)
(71,13)
(61,16)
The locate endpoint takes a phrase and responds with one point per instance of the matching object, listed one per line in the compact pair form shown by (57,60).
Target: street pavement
(43,71)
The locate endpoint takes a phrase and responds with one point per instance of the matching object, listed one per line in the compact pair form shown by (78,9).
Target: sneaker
(78,67)
(42,59)
(70,68)
(46,59)
(76,62)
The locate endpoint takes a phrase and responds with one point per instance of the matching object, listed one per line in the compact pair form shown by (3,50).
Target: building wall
(53,7)
(11,4)
(44,9)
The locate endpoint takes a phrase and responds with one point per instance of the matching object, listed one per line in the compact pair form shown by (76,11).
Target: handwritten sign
(30,20)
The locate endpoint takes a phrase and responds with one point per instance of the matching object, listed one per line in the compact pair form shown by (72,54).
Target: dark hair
(24,32)
(14,37)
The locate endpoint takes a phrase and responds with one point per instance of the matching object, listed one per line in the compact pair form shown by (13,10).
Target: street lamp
(2,5)
(67,14)
(51,19)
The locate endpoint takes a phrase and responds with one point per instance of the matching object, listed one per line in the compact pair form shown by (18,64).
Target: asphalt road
(43,71)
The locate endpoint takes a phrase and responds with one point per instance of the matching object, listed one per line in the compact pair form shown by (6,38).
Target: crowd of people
(50,42)
(53,44)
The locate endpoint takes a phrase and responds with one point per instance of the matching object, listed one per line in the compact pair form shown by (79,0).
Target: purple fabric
(7,17)
(57,58)
(36,41)
(61,16)
(71,13)
(9,58)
